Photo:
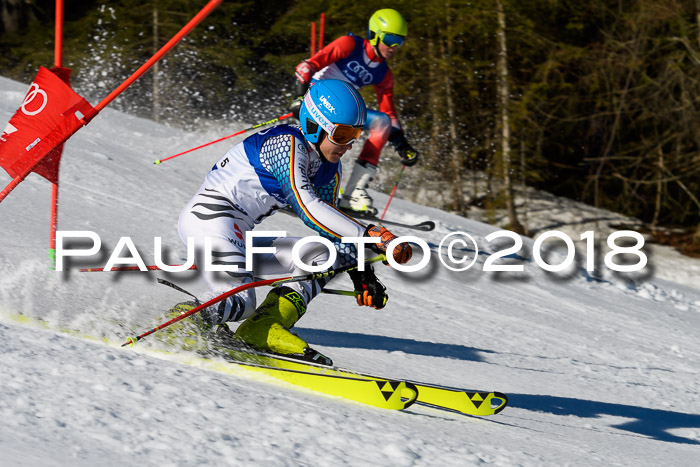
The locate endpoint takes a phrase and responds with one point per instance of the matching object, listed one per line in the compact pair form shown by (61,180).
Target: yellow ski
(480,403)
(367,389)
(382,393)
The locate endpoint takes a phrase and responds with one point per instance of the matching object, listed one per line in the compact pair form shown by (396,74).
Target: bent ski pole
(272,282)
(269,122)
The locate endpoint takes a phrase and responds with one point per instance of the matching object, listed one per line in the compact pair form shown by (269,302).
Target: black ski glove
(303,73)
(301,89)
(368,290)
(407,153)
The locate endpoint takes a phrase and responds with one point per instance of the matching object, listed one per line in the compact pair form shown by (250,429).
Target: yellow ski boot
(268,328)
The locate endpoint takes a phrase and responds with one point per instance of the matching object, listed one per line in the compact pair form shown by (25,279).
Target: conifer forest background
(598,101)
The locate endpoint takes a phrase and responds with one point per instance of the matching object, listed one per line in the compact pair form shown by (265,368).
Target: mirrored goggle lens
(345,134)
(392,40)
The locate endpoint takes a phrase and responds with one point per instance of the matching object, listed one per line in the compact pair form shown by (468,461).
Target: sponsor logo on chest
(356,71)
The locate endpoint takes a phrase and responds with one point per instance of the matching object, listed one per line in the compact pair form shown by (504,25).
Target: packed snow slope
(600,368)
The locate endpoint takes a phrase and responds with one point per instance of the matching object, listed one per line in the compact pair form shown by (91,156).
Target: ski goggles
(392,40)
(344,134)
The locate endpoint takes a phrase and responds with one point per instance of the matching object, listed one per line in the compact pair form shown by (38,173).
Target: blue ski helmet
(335,107)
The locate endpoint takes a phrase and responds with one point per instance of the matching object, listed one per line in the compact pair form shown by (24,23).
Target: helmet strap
(377,52)
(317,145)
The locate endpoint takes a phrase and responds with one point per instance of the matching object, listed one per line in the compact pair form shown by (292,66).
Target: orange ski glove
(402,252)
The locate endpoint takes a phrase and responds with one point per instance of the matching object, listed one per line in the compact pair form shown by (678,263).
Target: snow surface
(599,369)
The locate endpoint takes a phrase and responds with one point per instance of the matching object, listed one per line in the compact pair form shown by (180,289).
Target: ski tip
(426,226)
(503,402)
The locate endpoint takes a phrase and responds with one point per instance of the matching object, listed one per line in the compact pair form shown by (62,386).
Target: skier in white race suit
(275,168)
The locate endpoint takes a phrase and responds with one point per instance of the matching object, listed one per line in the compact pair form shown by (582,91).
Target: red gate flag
(50,113)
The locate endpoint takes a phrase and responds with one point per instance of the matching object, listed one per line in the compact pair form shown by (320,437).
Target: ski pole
(396,185)
(132,268)
(349,293)
(269,122)
(272,282)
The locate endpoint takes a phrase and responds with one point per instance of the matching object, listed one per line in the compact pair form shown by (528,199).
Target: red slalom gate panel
(50,113)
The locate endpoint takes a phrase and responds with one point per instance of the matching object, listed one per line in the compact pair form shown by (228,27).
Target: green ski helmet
(388,26)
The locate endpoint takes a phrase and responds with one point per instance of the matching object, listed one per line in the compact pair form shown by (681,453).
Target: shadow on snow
(654,423)
(326,338)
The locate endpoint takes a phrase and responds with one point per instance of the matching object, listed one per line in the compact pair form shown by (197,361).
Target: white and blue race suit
(265,172)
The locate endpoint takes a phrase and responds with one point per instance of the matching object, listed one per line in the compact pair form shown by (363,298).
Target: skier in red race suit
(362,62)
